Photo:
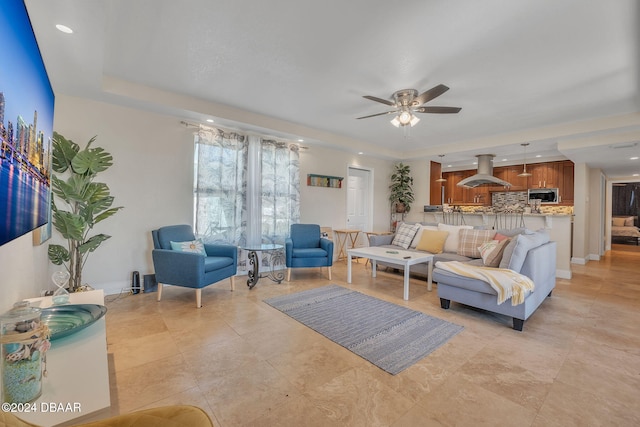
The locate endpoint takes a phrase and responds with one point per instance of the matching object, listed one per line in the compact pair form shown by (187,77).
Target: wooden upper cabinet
(545,175)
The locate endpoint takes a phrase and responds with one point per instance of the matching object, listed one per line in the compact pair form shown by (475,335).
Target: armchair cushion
(309,253)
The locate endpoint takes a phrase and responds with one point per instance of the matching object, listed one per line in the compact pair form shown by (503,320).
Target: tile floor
(577,363)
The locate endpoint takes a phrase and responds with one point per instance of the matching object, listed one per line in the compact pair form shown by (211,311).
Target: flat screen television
(26,126)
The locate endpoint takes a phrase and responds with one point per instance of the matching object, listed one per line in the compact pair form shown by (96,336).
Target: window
(246,189)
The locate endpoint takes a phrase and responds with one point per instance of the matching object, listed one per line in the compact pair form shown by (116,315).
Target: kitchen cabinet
(544,175)
(566,188)
(435,188)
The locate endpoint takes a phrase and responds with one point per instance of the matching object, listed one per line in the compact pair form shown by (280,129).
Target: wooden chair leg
(233,282)
(159,291)
(329,272)
(198,298)
(288,274)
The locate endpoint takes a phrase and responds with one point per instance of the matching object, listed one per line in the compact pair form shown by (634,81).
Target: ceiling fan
(406,102)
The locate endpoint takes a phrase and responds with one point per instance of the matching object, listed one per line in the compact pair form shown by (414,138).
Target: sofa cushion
(309,253)
(470,240)
(521,244)
(451,244)
(432,241)
(418,236)
(405,234)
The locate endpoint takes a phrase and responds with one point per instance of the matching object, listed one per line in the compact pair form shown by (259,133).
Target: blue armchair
(191,270)
(305,248)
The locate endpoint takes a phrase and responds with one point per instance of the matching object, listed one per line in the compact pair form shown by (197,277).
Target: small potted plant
(87,203)
(401,188)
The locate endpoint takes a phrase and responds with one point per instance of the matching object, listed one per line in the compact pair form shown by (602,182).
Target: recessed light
(64,28)
(448,166)
(538,155)
(636,174)
(504,160)
(633,158)
(301,140)
(360,153)
(209,120)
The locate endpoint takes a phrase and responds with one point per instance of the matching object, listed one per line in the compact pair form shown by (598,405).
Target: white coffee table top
(396,256)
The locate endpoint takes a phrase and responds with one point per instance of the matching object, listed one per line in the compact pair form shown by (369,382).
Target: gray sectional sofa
(529,253)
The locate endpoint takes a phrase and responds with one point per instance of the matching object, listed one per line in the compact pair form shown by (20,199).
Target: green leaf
(72,190)
(58,254)
(63,152)
(91,161)
(93,243)
(106,214)
(70,226)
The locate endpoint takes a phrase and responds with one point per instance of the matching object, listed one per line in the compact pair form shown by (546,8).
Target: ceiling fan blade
(432,93)
(383,101)
(379,114)
(437,110)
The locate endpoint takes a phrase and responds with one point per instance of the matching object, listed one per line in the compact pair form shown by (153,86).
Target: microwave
(545,195)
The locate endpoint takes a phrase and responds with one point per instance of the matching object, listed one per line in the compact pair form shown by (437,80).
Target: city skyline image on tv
(26,126)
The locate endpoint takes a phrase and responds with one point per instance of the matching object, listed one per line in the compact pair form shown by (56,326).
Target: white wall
(152,177)
(328,206)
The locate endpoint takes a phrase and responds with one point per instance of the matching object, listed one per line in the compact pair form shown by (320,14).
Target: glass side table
(274,255)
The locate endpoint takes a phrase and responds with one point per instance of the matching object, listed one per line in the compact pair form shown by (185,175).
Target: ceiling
(560,75)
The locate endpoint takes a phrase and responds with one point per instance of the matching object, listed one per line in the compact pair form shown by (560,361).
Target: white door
(359,202)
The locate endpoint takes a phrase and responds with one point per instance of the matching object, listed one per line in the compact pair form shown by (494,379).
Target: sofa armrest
(540,266)
(379,240)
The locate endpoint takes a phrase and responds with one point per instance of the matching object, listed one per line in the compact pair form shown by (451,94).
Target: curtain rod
(200,126)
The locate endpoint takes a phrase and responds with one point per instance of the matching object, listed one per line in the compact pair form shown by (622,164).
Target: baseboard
(581,261)
(563,274)
(113,288)
(593,257)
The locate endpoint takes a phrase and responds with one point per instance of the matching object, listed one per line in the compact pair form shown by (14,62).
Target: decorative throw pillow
(486,248)
(492,257)
(404,235)
(194,246)
(418,236)
(451,244)
(470,240)
(500,237)
(618,222)
(432,241)
(628,222)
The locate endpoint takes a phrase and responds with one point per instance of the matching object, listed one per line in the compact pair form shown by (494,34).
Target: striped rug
(388,335)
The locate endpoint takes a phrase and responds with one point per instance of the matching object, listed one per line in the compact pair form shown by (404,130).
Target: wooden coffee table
(395,257)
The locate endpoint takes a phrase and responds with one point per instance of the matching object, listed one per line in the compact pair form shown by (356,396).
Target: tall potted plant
(87,203)
(401,188)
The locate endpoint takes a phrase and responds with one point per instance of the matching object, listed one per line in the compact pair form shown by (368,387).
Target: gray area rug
(388,335)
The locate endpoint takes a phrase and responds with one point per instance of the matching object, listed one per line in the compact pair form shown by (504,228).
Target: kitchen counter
(557,224)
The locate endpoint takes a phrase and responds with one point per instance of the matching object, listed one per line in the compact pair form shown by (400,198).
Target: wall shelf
(314,180)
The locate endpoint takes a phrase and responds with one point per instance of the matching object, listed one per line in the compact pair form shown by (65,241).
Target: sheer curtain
(280,192)
(220,186)
(247,189)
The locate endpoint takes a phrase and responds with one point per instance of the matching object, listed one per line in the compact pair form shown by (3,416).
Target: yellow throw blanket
(507,283)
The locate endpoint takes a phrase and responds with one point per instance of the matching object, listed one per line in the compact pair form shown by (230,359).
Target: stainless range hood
(484,175)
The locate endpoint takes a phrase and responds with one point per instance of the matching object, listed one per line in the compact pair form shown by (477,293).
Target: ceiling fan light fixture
(414,120)
(405,117)
(395,122)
